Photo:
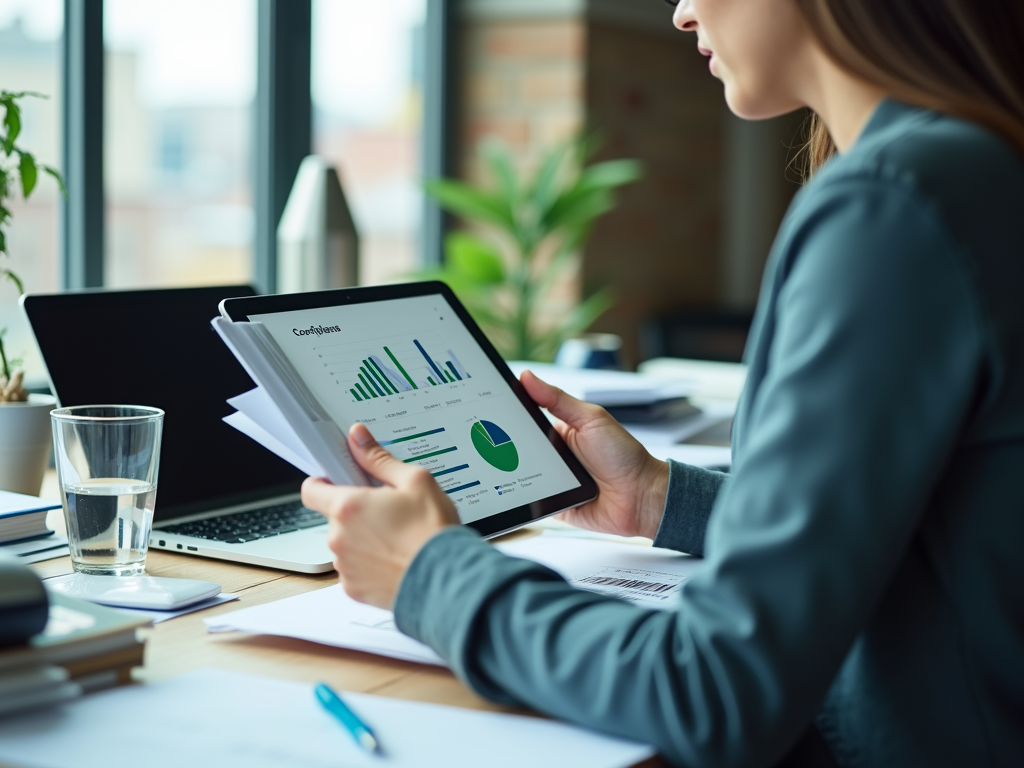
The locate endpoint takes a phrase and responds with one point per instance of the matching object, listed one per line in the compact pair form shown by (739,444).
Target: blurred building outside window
(180,82)
(30,60)
(367,82)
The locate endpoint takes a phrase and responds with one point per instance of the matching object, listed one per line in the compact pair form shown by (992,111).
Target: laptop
(219,493)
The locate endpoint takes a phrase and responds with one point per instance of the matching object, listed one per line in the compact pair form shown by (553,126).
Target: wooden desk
(180,645)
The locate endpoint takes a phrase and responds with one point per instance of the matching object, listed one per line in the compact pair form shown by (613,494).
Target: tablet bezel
(241,309)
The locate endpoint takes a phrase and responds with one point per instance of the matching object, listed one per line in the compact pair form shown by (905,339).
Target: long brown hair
(961,57)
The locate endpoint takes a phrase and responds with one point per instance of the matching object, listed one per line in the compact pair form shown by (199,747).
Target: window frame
(283,130)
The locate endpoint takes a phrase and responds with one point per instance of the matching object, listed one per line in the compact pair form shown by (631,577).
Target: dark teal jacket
(864,562)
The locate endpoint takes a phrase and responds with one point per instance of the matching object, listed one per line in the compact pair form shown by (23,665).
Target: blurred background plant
(527,232)
(17,168)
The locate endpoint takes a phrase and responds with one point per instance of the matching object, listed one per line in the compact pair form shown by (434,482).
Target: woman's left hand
(376,532)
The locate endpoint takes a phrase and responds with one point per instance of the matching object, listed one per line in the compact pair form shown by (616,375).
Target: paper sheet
(330,617)
(158,616)
(229,719)
(645,576)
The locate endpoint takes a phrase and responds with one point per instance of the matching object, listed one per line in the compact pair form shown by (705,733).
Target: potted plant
(24,418)
(528,234)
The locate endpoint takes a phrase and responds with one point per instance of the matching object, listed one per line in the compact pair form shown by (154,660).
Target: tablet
(410,363)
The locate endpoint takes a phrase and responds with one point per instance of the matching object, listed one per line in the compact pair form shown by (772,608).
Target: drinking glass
(107,459)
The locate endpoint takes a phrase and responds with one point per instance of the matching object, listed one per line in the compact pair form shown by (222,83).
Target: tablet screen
(411,370)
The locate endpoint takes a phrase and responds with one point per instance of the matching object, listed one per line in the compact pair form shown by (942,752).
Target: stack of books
(82,648)
(23,529)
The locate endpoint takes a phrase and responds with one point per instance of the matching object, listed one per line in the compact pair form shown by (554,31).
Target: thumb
(569,409)
(371,456)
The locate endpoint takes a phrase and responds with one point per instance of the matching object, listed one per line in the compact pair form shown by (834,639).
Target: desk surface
(182,644)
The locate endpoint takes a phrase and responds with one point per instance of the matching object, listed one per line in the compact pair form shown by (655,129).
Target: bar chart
(383,373)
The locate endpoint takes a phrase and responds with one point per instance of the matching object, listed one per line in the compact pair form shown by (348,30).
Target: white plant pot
(25,443)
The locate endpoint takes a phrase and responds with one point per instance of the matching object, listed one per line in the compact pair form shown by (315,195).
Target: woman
(863,566)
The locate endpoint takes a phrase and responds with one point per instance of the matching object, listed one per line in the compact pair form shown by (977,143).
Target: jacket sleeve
(871,374)
(691,496)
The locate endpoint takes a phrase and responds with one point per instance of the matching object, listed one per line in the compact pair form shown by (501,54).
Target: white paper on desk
(646,576)
(330,617)
(649,577)
(37,550)
(606,387)
(229,719)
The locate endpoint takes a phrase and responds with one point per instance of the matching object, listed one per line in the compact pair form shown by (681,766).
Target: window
(30,60)
(180,81)
(367,83)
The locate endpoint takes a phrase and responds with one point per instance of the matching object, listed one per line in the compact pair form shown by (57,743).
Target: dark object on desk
(77,648)
(709,335)
(23,603)
(650,413)
(168,357)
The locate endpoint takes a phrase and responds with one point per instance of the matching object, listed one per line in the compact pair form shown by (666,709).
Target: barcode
(644,586)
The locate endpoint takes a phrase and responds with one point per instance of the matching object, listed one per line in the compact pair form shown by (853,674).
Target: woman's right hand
(631,483)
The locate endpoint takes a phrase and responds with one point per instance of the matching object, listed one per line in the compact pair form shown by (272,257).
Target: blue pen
(359,730)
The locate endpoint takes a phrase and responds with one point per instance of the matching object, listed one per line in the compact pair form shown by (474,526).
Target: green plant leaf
(12,121)
(29,173)
(500,162)
(14,279)
(545,185)
(3,242)
(474,258)
(612,173)
(578,207)
(463,200)
(56,177)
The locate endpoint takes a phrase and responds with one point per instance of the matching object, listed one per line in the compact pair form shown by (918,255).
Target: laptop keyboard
(240,527)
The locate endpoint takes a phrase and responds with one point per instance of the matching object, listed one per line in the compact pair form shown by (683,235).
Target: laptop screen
(157,348)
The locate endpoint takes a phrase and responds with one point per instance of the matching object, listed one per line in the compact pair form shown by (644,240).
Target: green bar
(372,372)
(362,391)
(412,437)
(432,455)
(400,368)
(366,384)
(450,379)
(356,396)
(373,383)
(431,381)
(380,375)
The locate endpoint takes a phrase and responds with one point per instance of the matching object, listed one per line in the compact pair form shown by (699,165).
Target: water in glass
(109,520)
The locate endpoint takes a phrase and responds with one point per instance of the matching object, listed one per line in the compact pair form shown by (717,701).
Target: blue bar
(463,487)
(452,369)
(427,358)
(449,471)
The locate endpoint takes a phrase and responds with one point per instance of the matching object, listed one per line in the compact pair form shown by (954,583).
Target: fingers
(371,456)
(573,412)
(318,494)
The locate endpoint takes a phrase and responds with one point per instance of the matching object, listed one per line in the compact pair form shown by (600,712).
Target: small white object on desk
(149,592)
(228,719)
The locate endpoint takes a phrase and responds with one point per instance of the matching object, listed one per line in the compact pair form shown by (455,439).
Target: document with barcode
(642,575)
(645,576)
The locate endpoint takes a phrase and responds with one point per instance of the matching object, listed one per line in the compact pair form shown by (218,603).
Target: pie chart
(495,446)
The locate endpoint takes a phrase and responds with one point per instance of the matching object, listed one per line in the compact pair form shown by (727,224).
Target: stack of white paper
(646,576)
(229,719)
